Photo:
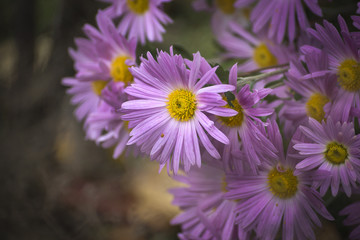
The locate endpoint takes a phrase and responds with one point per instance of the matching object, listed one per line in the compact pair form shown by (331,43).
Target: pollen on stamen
(263,57)
(349,75)
(336,153)
(283,184)
(234,121)
(315,106)
(138,6)
(182,104)
(120,70)
(98,86)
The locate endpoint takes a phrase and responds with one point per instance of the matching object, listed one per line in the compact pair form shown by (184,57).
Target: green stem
(262,69)
(253,79)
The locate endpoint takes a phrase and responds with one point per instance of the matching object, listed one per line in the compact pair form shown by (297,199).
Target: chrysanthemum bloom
(332,147)
(167,116)
(275,15)
(317,92)
(256,53)
(343,60)
(353,212)
(105,126)
(113,53)
(276,198)
(206,213)
(141,19)
(223,11)
(242,129)
(104,57)
(85,95)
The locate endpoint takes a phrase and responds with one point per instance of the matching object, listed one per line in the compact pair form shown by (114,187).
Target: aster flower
(256,52)
(85,95)
(167,115)
(343,58)
(102,60)
(353,212)
(275,15)
(242,128)
(332,147)
(206,213)
(141,19)
(105,56)
(105,126)
(317,93)
(276,198)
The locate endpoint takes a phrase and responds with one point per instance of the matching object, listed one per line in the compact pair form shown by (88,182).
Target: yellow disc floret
(226,6)
(234,121)
(138,6)
(315,106)
(283,184)
(98,86)
(336,153)
(263,57)
(181,104)
(349,75)
(120,70)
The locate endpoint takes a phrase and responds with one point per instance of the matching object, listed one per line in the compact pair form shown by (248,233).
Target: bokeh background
(53,183)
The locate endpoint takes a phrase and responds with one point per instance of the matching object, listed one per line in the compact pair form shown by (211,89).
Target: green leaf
(229,98)
(182,51)
(222,74)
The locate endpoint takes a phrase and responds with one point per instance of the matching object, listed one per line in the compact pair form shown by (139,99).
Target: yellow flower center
(226,6)
(263,57)
(315,106)
(283,184)
(181,104)
(349,75)
(120,70)
(98,86)
(138,6)
(234,121)
(336,153)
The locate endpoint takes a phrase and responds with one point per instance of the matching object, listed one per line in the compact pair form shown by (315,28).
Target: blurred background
(53,183)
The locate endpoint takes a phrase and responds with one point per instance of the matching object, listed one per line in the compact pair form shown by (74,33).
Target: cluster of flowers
(182,113)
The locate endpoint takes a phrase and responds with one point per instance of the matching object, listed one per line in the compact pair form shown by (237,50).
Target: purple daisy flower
(275,15)
(317,93)
(111,53)
(167,115)
(104,57)
(343,58)
(206,213)
(276,198)
(105,126)
(353,212)
(256,52)
(242,128)
(141,19)
(332,147)
(85,95)
(102,65)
